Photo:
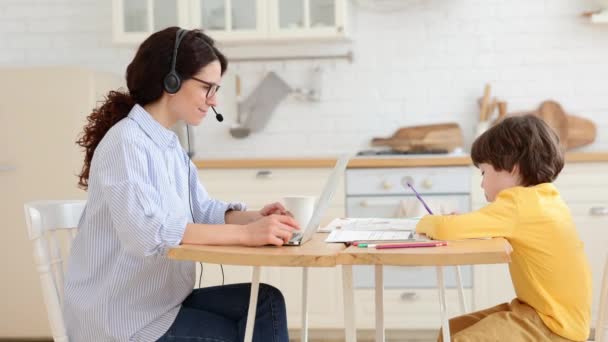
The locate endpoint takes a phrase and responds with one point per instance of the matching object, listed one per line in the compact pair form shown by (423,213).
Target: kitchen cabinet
(257,187)
(584,188)
(38,160)
(232,20)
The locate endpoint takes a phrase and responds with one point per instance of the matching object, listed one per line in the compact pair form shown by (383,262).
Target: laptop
(304,235)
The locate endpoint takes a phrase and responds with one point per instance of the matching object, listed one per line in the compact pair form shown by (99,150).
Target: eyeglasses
(212,87)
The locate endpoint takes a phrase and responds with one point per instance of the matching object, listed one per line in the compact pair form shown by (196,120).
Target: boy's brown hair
(524,141)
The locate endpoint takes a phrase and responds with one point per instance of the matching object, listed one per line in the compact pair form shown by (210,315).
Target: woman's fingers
(282,234)
(287,220)
(273,208)
(276,241)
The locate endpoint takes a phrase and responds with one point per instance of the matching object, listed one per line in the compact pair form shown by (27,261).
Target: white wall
(428,63)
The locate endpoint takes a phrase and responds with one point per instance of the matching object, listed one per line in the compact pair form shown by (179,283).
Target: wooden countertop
(370,162)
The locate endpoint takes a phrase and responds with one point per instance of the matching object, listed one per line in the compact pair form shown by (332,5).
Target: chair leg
(253,303)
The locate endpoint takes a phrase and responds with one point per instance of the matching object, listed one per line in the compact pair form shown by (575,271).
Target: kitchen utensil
(447,136)
(491,109)
(238,130)
(502,109)
(263,100)
(573,131)
(485,103)
(581,132)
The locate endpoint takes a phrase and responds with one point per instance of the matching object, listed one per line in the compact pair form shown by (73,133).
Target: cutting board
(573,131)
(446,136)
(554,115)
(581,132)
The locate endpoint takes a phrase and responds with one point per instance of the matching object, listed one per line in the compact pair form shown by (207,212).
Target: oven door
(407,206)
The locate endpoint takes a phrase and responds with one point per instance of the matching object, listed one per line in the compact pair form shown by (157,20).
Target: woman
(144,198)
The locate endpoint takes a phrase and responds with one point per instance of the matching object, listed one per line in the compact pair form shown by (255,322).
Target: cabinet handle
(263,174)
(6,168)
(598,211)
(409,296)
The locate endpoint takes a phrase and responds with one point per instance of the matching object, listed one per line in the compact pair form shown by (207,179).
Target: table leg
(350,331)
(253,303)
(304,331)
(379,303)
(443,308)
(463,306)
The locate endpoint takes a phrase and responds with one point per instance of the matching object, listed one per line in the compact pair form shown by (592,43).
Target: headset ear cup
(172,83)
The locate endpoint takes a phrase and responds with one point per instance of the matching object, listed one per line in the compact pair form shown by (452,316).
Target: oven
(380,192)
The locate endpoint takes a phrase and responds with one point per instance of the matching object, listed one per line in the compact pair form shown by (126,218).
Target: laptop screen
(326,196)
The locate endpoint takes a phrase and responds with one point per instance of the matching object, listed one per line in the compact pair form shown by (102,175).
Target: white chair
(47,222)
(602,311)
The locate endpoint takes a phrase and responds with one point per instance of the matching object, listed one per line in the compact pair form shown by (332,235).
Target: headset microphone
(218,116)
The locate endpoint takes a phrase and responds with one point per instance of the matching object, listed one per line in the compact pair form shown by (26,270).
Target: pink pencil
(408,245)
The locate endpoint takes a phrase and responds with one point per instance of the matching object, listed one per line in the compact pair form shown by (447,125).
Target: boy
(518,159)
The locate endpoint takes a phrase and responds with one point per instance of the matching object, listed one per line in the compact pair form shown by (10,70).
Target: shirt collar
(161,136)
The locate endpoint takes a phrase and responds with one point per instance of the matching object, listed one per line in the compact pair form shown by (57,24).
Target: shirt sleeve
(143,225)
(497,219)
(204,208)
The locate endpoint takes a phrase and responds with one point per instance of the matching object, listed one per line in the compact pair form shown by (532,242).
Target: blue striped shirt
(120,285)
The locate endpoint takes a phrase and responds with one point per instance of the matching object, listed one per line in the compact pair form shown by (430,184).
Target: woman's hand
(269,230)
(274,208)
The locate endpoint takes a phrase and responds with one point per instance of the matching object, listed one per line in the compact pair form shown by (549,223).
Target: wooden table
(464,252)
(317,253)
(314,253)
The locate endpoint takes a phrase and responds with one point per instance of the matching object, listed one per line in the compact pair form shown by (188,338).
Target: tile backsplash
(427,63)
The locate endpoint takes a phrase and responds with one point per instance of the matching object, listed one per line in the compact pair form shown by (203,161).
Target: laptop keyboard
(296,236)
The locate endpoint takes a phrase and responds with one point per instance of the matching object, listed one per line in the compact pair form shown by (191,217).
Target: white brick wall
(425,64)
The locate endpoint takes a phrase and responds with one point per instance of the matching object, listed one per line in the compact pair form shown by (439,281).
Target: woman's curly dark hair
(145,75)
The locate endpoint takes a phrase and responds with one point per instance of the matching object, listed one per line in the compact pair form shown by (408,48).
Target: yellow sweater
(549,269)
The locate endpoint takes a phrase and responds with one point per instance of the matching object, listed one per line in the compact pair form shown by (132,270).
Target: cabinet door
(230,20)
(584,188)
(257,187)
(307,18)
(135,20)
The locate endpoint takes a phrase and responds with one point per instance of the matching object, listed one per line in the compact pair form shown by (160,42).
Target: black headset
(172,81)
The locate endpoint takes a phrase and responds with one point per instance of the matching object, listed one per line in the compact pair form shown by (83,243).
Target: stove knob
(427,183)
(386,185)
(405,180)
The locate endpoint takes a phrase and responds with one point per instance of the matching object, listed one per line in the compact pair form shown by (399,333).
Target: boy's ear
(515,170)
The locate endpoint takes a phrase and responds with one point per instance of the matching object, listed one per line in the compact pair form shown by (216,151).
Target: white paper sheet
(371,224)
(340,235)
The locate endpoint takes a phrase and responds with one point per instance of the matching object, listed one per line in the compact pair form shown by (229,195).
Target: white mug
(301,207)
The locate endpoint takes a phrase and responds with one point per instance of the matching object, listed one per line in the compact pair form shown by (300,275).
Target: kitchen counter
(371,162)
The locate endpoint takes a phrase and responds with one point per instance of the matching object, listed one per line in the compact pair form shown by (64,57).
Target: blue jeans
(219,314)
